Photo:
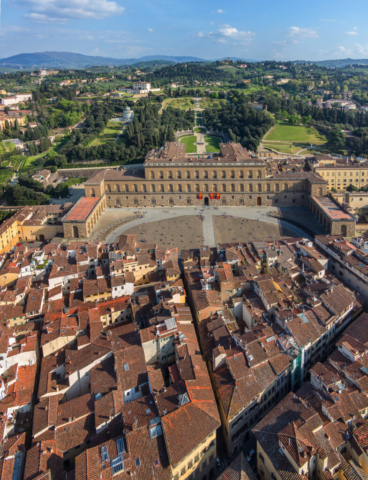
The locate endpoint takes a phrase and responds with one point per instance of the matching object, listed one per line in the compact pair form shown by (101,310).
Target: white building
(128,115)
(142,86)
(19,97)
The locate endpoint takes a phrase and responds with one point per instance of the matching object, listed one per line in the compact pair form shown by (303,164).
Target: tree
(352,188)
(336,139)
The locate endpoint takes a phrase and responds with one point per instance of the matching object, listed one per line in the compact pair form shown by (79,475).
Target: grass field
(189,141)
(182,103)
(108,134)
(299,134)
(207,102)
(213,143)
(199,130)
(291,139)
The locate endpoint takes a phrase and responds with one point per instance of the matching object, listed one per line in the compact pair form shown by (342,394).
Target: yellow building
(340,177)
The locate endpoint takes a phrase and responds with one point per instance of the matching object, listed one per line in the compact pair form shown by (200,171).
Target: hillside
(76,60)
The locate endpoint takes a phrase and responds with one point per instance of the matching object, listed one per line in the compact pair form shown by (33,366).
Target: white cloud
(352,32)
(150,30)
(362,49)
(42,18)
(219,11)
(297,33)
(227,33)
(41,10)
(343,51)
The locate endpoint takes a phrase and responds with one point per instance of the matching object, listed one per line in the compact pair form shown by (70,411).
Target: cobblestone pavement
(209,224)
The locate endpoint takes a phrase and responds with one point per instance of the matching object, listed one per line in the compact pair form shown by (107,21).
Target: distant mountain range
(345,62)
(76,60)
(31,61)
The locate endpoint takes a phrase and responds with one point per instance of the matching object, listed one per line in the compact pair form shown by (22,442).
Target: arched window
(223,174)
(152,175)
(136,189)
(214,174)
(277,187)
(215,188)
(224,188)
(268,187)
(126,188)
(259,174)
(259,187)
(170,175)
(117,188)
(161,188)
(178,174)
(232,175)
(241,175)
(171,188)
(197,188)
(206,188)
(242,187)
(250,187)
(188,174)
(93,193)
(188,188)
(205,173)
(153,189)
(144,189)
(285,187)
(232,187)
(179,188)
(196,174)
(161,175)
(108,187)
(250,174)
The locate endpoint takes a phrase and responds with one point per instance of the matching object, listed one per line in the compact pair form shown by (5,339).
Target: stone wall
(258,185)
(117,199)
(183,132)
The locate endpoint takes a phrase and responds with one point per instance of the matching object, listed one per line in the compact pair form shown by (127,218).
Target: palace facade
(234,177)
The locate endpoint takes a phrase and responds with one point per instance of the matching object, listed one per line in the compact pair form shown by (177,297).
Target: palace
(234,177)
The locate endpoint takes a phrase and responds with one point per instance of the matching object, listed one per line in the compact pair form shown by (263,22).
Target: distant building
(128,115)
(14,99)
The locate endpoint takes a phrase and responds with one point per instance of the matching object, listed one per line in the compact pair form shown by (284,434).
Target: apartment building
(320,431)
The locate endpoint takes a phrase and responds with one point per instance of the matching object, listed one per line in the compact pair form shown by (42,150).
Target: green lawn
(213,143)
(300,134)
(189,141)
(199,130)
(108,134)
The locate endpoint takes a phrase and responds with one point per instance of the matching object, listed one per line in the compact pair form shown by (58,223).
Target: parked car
(250,455)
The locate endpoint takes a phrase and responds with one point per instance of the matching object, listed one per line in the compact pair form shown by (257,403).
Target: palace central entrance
(206,201)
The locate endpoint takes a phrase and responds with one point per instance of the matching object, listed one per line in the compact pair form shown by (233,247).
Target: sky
(248,29)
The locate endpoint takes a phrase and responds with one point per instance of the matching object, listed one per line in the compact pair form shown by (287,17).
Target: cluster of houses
(118,361)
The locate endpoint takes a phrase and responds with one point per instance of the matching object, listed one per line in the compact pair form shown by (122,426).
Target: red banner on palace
(217,196)
(212,196)
(200,196)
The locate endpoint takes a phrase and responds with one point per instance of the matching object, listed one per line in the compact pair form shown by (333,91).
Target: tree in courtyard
(352,188)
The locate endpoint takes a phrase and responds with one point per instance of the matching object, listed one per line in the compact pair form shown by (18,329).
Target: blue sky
(258,29)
